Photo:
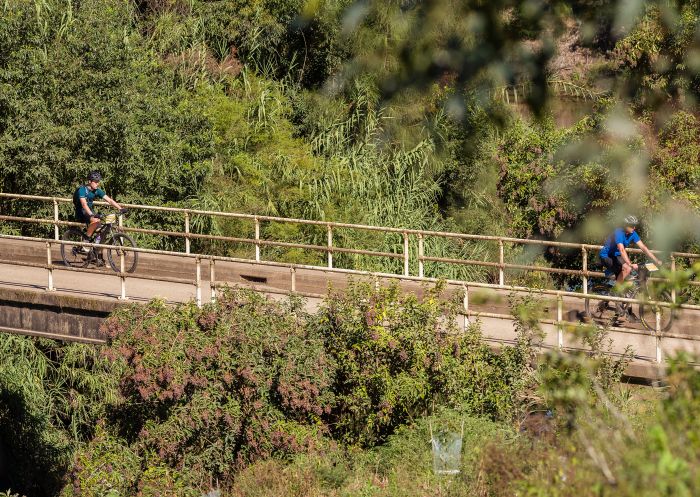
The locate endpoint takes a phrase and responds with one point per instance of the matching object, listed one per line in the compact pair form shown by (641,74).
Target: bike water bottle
(97,238)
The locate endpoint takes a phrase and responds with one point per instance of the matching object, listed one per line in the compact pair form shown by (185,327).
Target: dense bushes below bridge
(257,396)
(203,393)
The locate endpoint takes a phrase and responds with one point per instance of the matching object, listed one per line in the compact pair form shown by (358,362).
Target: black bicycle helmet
(631,221)
(94,176)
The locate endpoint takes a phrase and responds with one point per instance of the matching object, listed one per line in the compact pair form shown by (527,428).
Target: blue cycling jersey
(619,236)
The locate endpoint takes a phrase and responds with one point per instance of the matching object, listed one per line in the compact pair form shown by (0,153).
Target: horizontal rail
(110,272)
(333,224)
(372,274)
(657,336)
(507,265)
(249,241)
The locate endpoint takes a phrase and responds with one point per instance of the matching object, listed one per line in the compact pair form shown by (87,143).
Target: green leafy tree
(51,395)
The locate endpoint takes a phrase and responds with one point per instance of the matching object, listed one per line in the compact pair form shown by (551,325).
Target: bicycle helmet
(94,176)
(631,221)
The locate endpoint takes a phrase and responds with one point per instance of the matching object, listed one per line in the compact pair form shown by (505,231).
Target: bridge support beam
(53,315)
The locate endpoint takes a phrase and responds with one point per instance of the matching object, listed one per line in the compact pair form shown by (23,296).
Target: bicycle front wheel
(74,255)
(115,252)
(666,314)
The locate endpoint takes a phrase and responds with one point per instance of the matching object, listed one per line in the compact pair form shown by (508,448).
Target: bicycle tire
(69,253)
(599,310)
(114,254)
(647,313)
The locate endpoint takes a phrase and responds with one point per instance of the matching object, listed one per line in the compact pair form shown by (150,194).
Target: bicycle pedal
(618,321)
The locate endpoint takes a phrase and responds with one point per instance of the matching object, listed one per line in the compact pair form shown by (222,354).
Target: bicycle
(636,284)
(108,234)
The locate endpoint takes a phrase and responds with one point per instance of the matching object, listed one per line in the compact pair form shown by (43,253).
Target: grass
(497,460)
(401,467)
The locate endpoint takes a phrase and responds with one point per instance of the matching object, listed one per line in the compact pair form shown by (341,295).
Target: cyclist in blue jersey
(83,199)
(614,255)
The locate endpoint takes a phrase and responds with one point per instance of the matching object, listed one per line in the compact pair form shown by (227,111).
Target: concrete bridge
(40,296)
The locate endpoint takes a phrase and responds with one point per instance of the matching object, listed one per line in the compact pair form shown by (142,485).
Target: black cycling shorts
(81,216)
(613,264)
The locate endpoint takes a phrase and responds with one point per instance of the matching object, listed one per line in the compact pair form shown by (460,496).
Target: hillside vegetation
(389,113)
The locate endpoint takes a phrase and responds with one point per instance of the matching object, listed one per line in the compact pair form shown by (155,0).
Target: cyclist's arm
(84,204)
(648,252)
(623,254)
(111,202)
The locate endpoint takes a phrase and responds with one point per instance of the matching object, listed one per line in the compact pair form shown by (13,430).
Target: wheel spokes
(117,253)
(74,255)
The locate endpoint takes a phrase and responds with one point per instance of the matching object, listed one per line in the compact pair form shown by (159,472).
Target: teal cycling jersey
(89,195)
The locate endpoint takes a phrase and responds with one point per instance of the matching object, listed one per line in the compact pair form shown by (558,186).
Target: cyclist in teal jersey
(83,199)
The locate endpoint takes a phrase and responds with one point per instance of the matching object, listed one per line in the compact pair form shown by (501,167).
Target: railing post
(330,247)
(49,267)
(257,239)
(584,254)
(421,253)
(122,275)
(187,232)
(657,333)
(465,305)
(212,279)
(198,282)
(673,275)
(405,254)
(501,262)
(293,274)
(560,318)
(55,220)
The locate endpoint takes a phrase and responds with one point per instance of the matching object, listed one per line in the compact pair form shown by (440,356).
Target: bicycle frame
(104,235)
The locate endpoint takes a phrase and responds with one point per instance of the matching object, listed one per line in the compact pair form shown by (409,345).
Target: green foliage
(214,389)
(397,356)
(659,52)
(677,161)
(339,403)
(71,108)
(204,393)
(610,449)
(50,396)
(8,493)
(528,179)
(104,467)
(402,466)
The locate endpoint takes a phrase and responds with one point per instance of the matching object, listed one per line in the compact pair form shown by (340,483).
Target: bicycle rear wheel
(600,310)
(647,313)
(114,252)
(74,255)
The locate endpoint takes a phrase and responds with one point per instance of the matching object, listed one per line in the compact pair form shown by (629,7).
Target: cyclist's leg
(80,217)
(622,309)
(611,266)
(93,224)
(615,266)
(622,270)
